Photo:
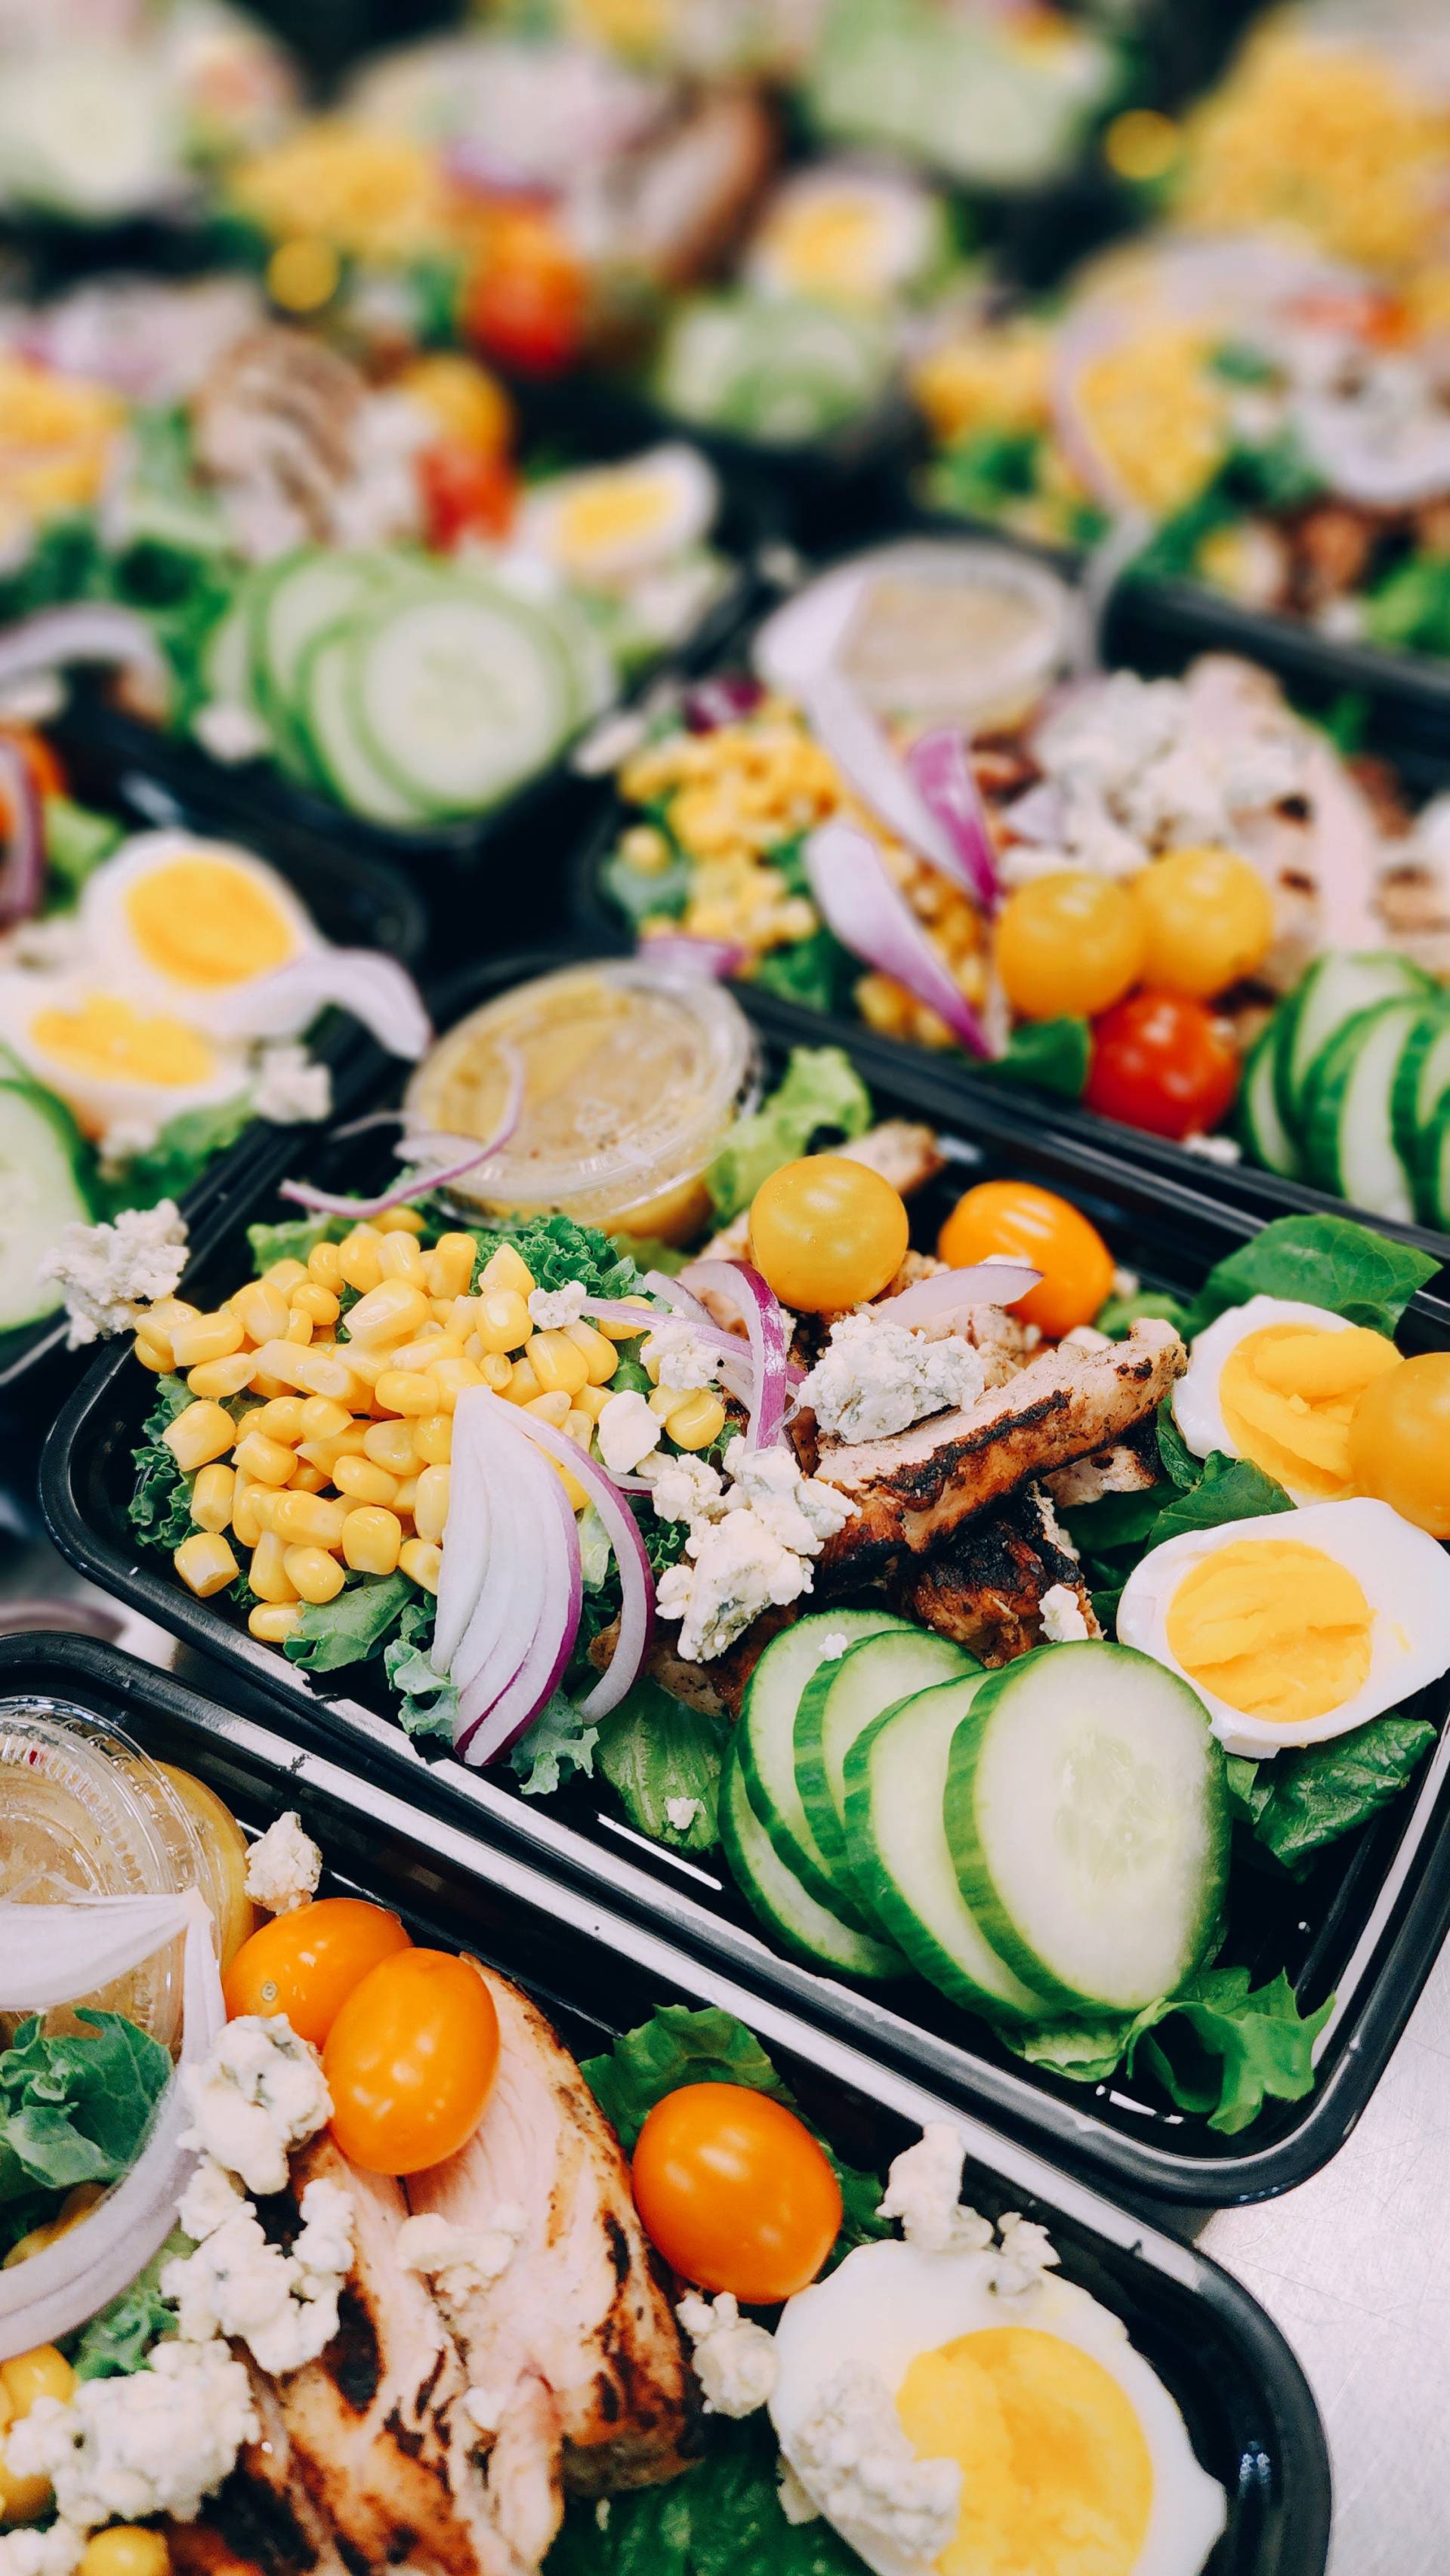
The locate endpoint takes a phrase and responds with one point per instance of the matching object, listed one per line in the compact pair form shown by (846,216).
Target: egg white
(887,2303)
(1197,1400)
(1400,1569)
(101,1102)
(110,941)
(683,497)
(897,242)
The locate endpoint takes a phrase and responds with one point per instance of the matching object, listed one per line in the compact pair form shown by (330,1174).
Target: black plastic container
(1366,1925)
(1243,2396)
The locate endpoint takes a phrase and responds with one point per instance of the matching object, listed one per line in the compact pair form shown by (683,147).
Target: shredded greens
(160,1507)
(352,1628)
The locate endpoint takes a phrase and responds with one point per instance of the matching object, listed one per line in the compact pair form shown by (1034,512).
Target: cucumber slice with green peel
(226,656)
(43,1189)
(766,1739)
(343,758)
(1348,1120)
(896,1774)
(1422,1083)
(840,1701)
(788,1911)
(1432,1174)
(1335,989)
(1087,1815)
(297,600)
(460,693)
(1266,1138)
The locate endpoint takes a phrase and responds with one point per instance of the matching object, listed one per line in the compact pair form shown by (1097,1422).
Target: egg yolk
(202,923)
(107,1037)
(825,247)
(1057,2479)
(612,512)
(1276,1629)
(1288,1394)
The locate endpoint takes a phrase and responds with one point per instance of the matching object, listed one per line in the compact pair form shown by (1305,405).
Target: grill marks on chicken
(984,1586)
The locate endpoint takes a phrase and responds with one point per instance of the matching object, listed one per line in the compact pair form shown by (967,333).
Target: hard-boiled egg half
(123,1064)
(186,925)
(1296,1626)
(1071,2450)
(610,524)
(848,235)
(1277,1383)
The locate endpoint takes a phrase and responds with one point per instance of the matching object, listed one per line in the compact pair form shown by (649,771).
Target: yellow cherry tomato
(306,1964)
(827,1233)
(125,2550)
(28,2375)
(463,398)
(224,1852)
(1399,1441)
(1207,917)
(1034,1225)
(1068,945)
(410,2061)
(735,2192)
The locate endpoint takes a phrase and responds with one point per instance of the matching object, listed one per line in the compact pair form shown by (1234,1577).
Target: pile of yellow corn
(343,1462)
(370,194)
(57,437)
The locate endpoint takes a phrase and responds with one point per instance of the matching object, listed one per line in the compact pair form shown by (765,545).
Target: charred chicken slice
(986,1584)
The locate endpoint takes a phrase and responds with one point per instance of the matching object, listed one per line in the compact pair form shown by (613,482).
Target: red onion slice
(861,750)
(373,989)
(636,1578)
(490,1719)
(1039,817)
(869,915)
(769,1341)
(93,631)
(467,1542)
(411,1185)
(984,1283)
(677,954)
(22,869)
(939,765)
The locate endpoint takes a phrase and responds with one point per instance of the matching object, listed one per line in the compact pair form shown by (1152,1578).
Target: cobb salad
(823,1498)
(366,2264)
(1171,898)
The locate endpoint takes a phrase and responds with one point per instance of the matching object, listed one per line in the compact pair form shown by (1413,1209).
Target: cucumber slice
(226,657)
(1422,1083)
(42,1190)
(840,1700)
(766,1737)
(460,693)
(1349,1128)
(1335,989)
(296,601)
(1432,1173)
(797,1922)
(1087,1814)
(774,370)
(342,756)
(896,1773)
(1266,1138)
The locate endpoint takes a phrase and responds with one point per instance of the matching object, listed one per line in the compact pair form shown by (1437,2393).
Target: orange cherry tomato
(1161,1061)
(1034,1225)
(1399,1441)
(526,306)
(735,2192)
(410,2062)
(306,1964)
(466,492)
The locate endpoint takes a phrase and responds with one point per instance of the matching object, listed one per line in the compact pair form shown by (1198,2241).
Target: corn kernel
(557,1362)
(324,1265)
(265,1382)
(152,1355)
(247,1511)
(262,1309)
(324,1372)
(357,1260)
(274,1620)
(157,1321)
(390,1445)
(199,1434)
(299,1327)
(205,1337)
(325,1455)
(601,1359)
(697,1421)
(422,1562)
(504,1322)
(441,1308)
(399,1220)
(433,1439)
(319,1303)
(222,1378)
(617,1332)
(661,1399)
(592,1400)
(391,1312)
(496,1371)
(281,1419)
(551,1406)
(408,1390)
(453,1377)
(126,2549)
(307,1480)
(323,1418)
(367,1361)
(431,1346)
(405,1497)
(399,1258)
(578,1427)
(430,1504)
(523,1386)
(267,1574)
(507,1269)
(578,1496)
(205,1563)
(364,1482)
(314,1575)
(305,1520)
(286,1275)
(266,1460)
(211,1497)
(371,1538)
(450,1265)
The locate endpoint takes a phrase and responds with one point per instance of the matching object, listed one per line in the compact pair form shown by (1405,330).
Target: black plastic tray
(1366,1925)
(1243,2396)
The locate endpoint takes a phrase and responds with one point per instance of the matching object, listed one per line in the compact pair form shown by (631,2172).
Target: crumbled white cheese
(1154,765)
(1215,1149)
(552,1308)
(875,1378)
(626,1432)
(834,1645)
(923,2190)
(459,2260)
(769,1480)
(686,1489)
(853,2458)
(107,1273)
(795,2504)
(288,1089)
(283,1866)
(158,2440)
(734,2359)
(1062,1615)
(211,2197)
(230,733)
(56,2552)
(283,2307)
(1027,2252)
(680,1813)
(679,1357)
(123,1140)
(748,1549)
(258,2092)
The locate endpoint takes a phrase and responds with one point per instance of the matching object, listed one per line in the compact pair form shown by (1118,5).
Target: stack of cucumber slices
(412,691)
(1349,1087)
(1045,1840)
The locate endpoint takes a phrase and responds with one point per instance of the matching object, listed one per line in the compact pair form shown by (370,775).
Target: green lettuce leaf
(185,1148)
(118,2340)
(76,841)
(1322,1261)
(1303,1800)
(160,1507)
(1049,1055)
(1177,1458)
(294,1238)
(76,2108)
(557,1250)
(817,972)
(351,1629)
(722,2519)
(1229,1489)
(1218,2047)
(427,1700)
(820,1092)
(1120,1314)
(654,1751)
(558,1745)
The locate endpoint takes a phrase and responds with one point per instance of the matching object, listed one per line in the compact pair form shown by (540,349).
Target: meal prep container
(1243,2396)
(1365,1926)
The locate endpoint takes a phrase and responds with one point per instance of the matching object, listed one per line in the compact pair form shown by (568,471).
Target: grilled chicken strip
(1131,1467)
(985,1585)
(263,2517)
(913,1489)
(573,2352)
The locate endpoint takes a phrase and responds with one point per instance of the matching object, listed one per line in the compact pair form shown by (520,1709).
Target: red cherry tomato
(526,307)
(1162,1062)
(466,492)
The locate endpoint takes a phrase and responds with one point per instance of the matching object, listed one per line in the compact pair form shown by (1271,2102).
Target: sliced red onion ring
(1040,816)
(983,1283)
(861,750)
(869,915)
(719,701)
(411,1185)
(769,1341)
(467,1540)
(22,869)
(373,989)
(680,955)
(679,1300)
(50,1954)
(94,631)
(483,1732)
(636,1579)
(939,765)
